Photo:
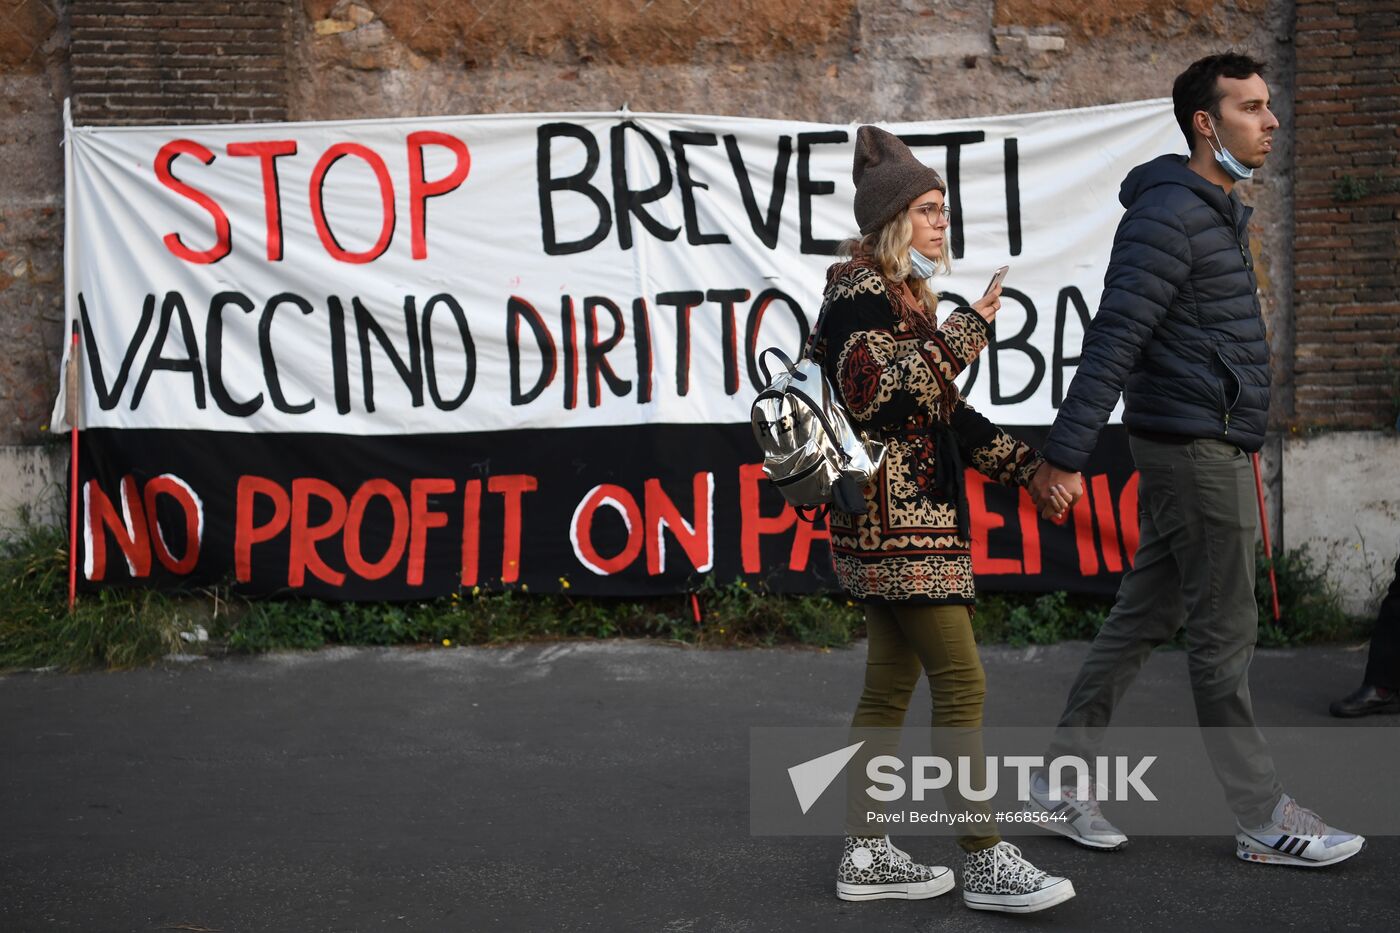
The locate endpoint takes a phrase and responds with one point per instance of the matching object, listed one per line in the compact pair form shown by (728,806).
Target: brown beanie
(888,178)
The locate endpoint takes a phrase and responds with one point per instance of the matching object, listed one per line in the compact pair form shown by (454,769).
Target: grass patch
(112,629)
(1023,619)
(1309,605)
(118,628)
(732,616)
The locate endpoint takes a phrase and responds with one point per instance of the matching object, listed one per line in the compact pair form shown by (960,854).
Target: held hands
(988,305)
(1053,490)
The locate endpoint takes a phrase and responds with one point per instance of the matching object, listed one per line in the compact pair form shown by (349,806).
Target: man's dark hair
(1198,87)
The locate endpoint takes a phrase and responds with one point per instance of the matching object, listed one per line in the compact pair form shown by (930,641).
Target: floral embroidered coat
(894,370)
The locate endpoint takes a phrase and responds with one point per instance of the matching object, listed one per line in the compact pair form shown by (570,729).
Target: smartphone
(997,276)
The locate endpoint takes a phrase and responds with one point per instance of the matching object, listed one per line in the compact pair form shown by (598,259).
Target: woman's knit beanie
(888,178)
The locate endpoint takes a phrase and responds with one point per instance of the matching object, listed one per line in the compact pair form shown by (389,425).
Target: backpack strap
(860,272)
(763,363)
(822,419)
(810,346)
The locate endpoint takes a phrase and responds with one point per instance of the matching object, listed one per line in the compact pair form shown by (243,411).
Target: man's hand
(1054,490)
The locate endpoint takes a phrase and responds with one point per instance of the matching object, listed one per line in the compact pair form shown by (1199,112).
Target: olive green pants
(905,641)
(1194,567)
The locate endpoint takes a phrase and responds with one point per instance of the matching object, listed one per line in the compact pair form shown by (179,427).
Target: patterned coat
(894,370)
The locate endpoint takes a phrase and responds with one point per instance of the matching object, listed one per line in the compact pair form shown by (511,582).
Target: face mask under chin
(921,267)
(1226,159)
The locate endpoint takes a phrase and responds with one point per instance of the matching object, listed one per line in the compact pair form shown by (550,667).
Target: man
(1180,337)
(1380,685)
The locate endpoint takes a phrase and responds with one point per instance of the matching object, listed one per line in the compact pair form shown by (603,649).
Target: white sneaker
(1297,836)
(872,868)
(1075,816)
(1000,879)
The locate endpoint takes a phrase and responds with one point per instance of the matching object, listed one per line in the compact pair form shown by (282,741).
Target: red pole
(72,415)
(1264,520)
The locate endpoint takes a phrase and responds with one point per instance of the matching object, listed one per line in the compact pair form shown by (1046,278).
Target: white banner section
(458,274)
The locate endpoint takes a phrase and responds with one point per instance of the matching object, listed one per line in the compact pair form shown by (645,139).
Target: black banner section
(611,511)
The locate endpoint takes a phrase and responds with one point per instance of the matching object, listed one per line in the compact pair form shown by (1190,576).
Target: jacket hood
(1172,170)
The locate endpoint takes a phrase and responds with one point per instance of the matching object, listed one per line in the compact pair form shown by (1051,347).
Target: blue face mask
(923,267)
(1232,166)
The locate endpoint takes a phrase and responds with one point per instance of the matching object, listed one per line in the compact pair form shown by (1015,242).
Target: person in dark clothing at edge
(1179,335)
(1380,685)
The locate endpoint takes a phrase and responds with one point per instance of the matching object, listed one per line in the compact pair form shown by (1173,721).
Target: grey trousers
(1198,518)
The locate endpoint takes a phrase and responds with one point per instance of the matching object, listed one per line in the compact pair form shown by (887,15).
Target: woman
(908,556)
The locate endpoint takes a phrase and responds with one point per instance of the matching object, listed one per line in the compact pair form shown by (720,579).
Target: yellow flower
(476,591)
(447,643)
(564,582)
(524,587)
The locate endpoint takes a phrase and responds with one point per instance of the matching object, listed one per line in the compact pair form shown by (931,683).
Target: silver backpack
(811,451)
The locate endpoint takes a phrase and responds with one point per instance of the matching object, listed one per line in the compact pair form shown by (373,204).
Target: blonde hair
(889,248)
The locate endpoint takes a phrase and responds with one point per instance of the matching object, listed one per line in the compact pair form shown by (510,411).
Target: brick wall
(1347,214)
(182,61)
(179,61)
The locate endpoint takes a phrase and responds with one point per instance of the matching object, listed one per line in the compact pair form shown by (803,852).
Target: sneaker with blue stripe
(1296,836)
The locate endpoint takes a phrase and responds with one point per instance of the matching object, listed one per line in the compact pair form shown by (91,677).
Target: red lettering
(695,537)
(386,197)
(753,524)
(806,533)
(419,190)
(267,154)
(223,241)
(247,534)
(1083,516)
(1030,533)
(982,523)
(303,555)
(511,487)
(423,519)
(471,532)
(129,529)
(1108,531)
(1128,517)
(354,520)
(190,507)
(581,529)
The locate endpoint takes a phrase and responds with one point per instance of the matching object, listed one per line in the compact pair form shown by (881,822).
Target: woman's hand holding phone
(990,303)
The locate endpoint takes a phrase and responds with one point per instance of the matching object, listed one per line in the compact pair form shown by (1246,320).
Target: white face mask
(1232,166)
(923,267)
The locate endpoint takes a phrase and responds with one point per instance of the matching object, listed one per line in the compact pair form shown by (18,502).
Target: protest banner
(395,358)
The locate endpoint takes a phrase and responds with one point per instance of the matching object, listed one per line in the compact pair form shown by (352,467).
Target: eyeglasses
(932,215)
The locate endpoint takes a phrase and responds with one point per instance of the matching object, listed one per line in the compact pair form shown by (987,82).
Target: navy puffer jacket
(1178,333)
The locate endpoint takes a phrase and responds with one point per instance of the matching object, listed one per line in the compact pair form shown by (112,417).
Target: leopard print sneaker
(1000,879)
(872,868)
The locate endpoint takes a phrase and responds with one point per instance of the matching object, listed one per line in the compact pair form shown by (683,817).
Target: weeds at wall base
(120,628)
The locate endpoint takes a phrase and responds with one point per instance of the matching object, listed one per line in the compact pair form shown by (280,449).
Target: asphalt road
(572,786)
